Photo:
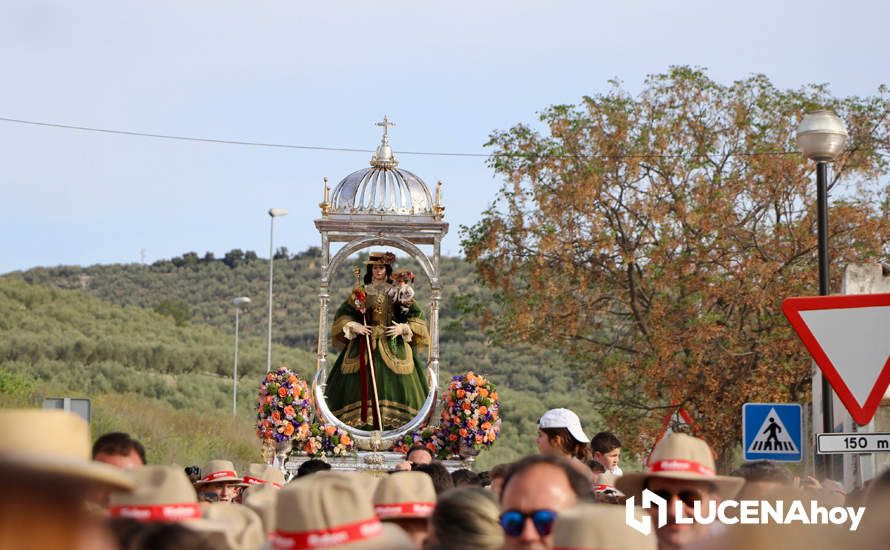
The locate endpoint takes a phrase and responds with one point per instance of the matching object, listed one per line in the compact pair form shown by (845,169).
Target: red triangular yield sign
(678,417)
(848,337)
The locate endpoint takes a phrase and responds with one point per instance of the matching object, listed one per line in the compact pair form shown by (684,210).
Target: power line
(183,138)
(356,150)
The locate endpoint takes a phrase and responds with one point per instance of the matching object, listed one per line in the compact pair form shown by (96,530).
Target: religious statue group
(378,329)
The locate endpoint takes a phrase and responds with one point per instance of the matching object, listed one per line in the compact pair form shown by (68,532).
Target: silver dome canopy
(383,189)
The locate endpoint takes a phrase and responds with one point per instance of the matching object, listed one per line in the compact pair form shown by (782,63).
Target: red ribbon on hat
(411,509)
(250,480)
(678,465)
(159,512)
(322,538)
(216,475)
(253,480)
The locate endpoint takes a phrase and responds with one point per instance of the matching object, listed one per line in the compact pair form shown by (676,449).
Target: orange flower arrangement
(470,413)
(469,421)
(284,412)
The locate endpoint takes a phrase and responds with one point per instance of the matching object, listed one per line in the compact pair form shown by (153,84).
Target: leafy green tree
(179,311)
(233,257)
(311,252)
(649,240)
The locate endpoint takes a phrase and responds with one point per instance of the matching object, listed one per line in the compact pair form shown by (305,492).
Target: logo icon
(644,524)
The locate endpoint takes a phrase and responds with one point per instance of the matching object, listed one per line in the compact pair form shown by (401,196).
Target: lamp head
(821,136)
(241,301)
(277,212)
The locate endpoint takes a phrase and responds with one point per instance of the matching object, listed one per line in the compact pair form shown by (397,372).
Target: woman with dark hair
(369,270)
(560,434)
(373,330)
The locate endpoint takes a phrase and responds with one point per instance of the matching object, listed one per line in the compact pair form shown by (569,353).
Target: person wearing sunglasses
(536,490)
(681,469)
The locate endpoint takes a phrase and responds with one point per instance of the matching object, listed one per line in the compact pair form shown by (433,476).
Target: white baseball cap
(564,418)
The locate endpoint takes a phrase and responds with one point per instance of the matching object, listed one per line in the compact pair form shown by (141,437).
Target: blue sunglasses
(513,521)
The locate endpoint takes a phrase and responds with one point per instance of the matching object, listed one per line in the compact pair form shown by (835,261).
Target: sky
(321,74)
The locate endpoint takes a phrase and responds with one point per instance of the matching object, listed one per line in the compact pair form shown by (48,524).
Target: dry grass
(177,436)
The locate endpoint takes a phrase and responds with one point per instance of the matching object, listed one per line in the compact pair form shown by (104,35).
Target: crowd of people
(61,492)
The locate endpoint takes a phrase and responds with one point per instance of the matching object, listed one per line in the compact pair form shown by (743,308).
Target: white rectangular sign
(81,407)
(853,443)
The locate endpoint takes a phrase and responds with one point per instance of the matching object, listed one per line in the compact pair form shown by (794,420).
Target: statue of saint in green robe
(394,333)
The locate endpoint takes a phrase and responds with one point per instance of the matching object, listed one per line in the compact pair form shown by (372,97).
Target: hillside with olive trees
(164,332)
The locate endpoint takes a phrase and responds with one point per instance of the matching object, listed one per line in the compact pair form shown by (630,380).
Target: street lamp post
(239,301)
(821,137)
(273,213)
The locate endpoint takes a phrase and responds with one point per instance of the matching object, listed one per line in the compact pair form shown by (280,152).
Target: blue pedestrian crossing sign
(772,431)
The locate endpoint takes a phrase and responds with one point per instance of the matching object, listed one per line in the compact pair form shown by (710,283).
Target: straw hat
(606,478)
(54,442)
(258,474)
(368,481)
(262,499)
(330,510)
(598,527)
(163,493)
(605,482)
(564,418)
(404,495)
(381,258)
(218,471)
(243,527)
(680,456)
(788,537)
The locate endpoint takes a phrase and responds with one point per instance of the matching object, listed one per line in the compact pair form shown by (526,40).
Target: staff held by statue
(359,300)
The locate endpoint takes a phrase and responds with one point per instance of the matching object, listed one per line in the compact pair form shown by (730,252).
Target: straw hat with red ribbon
(219,471)
(680,456)
(605,482)
(331,510)
(244,528)
(405,495)
(54,443)
(258,474)
(261,499)
(162,493)
(598,527)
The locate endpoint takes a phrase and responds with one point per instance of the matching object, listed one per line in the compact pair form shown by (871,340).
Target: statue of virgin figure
(375,331)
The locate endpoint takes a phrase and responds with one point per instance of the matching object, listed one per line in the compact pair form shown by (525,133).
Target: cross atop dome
(384,158)
(385,123)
